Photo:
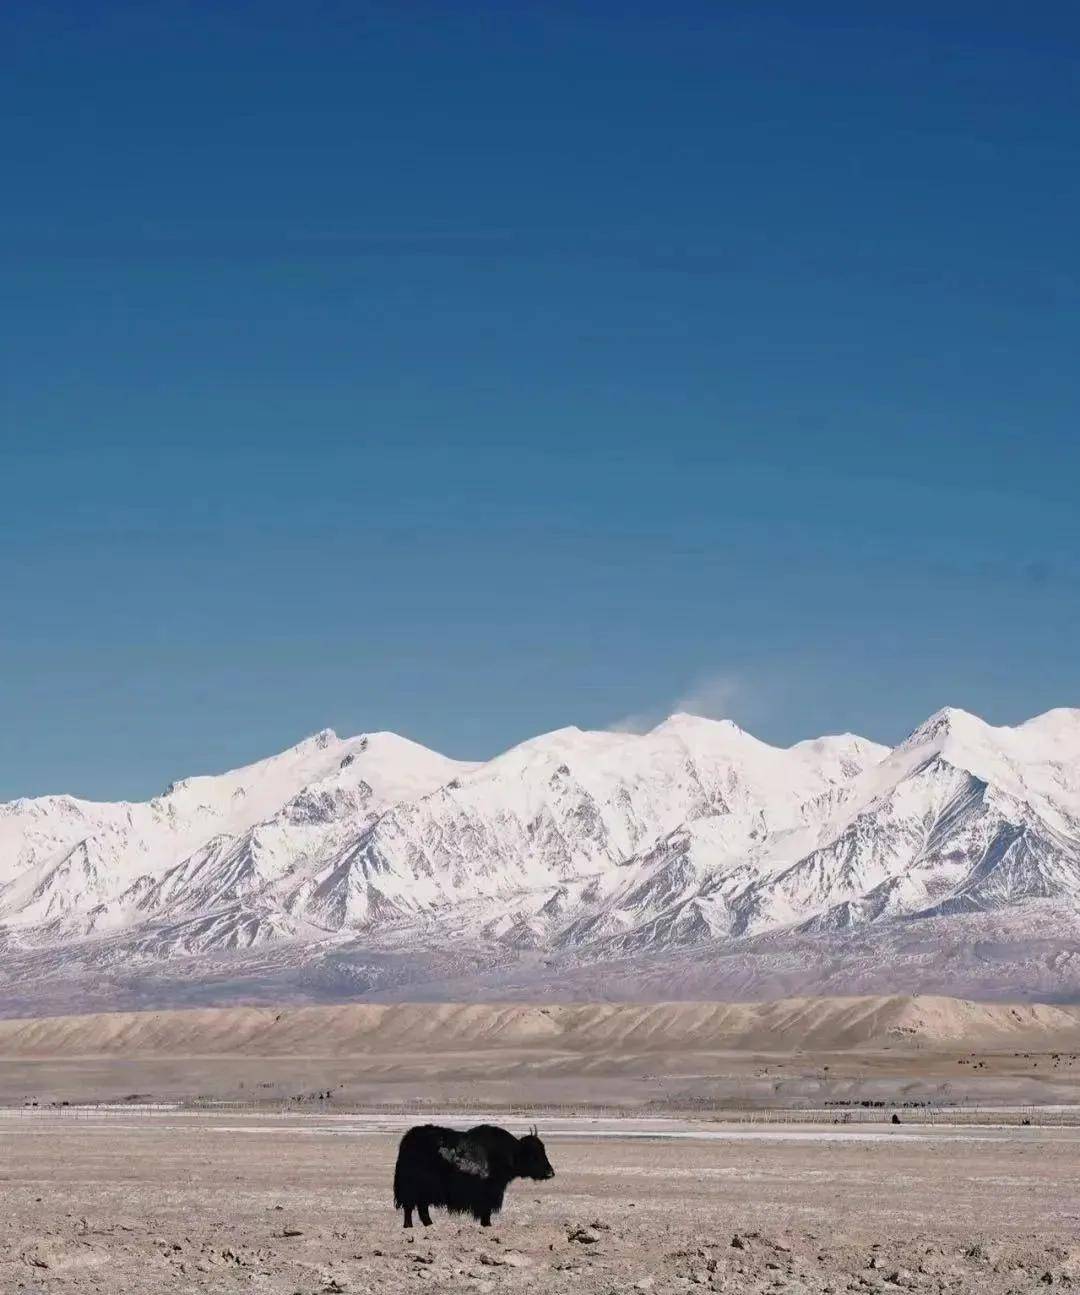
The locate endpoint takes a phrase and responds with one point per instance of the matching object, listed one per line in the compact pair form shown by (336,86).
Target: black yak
(465,1173)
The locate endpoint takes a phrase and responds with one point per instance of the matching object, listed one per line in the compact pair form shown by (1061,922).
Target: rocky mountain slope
(371,865)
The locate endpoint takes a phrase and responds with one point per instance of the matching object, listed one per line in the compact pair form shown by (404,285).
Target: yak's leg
(425,1217)
(408,1216)
(485,1219)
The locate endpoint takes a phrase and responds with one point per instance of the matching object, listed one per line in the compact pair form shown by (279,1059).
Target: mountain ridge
(579,847)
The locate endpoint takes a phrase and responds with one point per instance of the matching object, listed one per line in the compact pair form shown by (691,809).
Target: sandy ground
(141,1204)
(795,1052)
(495,1078)
(821,1024)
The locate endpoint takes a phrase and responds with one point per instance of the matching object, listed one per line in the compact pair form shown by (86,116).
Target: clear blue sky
(475,369)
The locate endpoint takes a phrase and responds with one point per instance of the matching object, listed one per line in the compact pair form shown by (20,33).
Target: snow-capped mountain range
(373,865)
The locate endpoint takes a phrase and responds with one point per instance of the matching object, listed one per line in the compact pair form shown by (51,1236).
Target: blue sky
(471,370)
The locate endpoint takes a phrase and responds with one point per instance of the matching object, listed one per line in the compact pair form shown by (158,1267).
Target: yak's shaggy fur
(465,1173)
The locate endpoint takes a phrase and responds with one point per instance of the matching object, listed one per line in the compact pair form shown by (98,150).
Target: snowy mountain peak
(583,844)
(1054,726)
(948,723)
(681,719)
(850,742)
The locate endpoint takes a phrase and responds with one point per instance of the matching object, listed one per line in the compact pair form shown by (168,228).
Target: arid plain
(717,1146)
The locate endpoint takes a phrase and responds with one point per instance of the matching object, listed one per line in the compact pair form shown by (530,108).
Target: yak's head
(531,1160)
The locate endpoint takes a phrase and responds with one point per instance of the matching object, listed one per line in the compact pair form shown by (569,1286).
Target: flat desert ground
(676,1166)
(141,1204)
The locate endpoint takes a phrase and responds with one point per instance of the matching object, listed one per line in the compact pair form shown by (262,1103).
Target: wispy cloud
(714,697)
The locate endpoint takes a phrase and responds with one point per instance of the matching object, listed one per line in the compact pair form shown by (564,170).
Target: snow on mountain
(574,845)
(960,817)
(68,864)
(552,822)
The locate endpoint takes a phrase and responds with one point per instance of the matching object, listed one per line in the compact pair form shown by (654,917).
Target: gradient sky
(475,369)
